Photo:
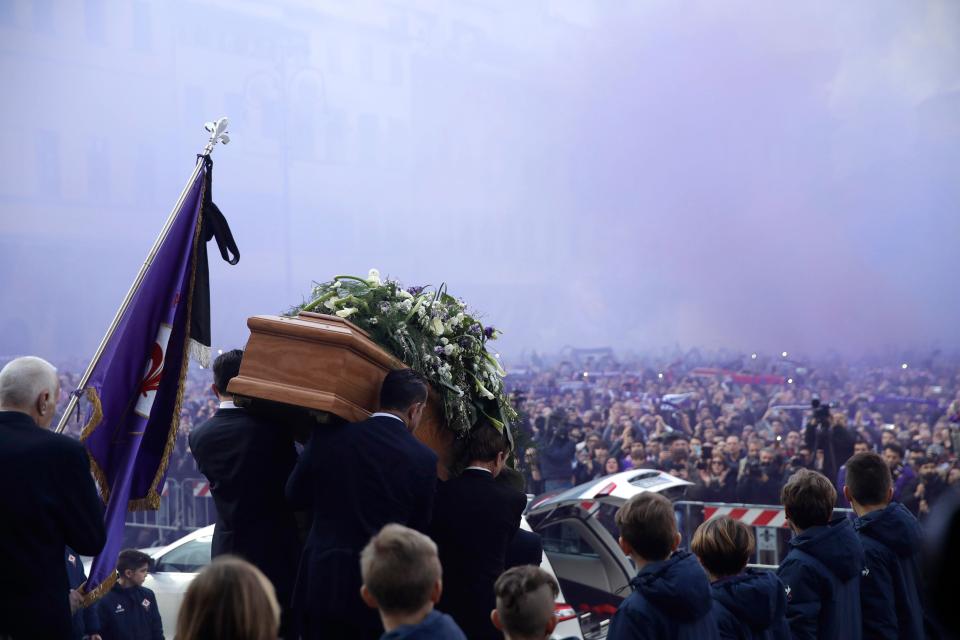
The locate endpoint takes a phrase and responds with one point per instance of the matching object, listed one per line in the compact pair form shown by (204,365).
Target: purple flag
(135,388)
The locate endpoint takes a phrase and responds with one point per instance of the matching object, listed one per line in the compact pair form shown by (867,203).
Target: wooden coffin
(326,366)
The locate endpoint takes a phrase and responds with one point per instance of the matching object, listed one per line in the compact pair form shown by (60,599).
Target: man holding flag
(48,501)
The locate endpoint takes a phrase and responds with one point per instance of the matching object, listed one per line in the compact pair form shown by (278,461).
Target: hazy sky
(756,175)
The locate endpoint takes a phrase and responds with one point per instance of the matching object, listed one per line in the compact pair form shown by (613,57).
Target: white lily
(346,313)
(374,277)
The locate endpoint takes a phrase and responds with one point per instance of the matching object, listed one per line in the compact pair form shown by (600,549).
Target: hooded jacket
(751,606)
(890,592)
(670,599)
(436,626)
(821,575)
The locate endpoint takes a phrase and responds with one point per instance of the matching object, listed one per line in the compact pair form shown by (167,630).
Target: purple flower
(415,291)
(438,350)
(465,342)
(488,332)
(476,329)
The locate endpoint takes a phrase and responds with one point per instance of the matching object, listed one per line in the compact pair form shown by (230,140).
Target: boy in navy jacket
(747,605)
(671,594)
(401,578)
(129,610)
(822,571)
(890,592)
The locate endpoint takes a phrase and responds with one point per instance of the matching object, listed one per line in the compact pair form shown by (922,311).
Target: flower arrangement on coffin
(433,333)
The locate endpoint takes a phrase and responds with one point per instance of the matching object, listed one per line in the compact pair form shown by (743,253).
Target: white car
(177,564)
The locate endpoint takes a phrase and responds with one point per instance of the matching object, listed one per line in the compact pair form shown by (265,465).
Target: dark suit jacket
(48,501)
(247,462)
(475,519)
(356,478)
(525,548)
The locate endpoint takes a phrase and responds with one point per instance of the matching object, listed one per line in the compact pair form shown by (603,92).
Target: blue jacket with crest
(670,599)
(821,574)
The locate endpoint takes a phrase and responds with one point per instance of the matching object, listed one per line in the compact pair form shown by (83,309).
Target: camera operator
(761,480)
(557,453)
(828,433)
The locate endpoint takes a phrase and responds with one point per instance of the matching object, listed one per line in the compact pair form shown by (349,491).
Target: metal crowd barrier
(770,529)
(185,506)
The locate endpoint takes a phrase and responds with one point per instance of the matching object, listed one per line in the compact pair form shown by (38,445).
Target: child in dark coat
(671,593)
(822,571)
(890,593)
(401,578)
(129,610)
(747,605)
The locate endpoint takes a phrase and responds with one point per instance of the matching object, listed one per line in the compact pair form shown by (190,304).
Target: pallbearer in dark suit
(48,501)
(475,519)
(247,461)
(357,478)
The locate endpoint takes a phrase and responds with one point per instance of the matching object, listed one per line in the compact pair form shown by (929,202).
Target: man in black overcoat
(475,520)
(247,461)
(48,501)
(356,478)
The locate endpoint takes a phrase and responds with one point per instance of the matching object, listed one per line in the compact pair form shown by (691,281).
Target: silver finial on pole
(218,133)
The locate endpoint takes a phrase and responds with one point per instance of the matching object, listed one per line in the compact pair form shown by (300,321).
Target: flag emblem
(154,372)
(145,603)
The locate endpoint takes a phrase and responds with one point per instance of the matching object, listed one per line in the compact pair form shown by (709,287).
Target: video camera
(821,412)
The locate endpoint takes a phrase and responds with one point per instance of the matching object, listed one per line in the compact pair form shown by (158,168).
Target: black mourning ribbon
(214,227)
(214,224)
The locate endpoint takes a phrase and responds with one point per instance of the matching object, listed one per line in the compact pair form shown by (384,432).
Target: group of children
(842,578)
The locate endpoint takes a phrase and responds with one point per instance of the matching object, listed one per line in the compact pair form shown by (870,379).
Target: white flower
(437,325)
(374,277)
(450,349)
(483,391)
(403,293)
(444,341)
(373,321)
(346,313)
(337,284)
(330,304)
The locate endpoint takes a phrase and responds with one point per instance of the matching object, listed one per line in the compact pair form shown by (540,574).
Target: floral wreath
(434,334)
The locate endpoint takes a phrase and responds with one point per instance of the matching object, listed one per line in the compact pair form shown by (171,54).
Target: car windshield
(189,557)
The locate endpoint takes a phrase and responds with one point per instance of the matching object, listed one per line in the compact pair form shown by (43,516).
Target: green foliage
(433,333)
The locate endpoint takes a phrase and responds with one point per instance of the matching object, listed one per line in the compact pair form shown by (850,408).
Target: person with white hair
(48,501)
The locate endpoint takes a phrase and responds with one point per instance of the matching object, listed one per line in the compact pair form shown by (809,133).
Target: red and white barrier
(202,490)
(755,517)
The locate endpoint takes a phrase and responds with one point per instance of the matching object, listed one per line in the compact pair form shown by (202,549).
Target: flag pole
(218,133)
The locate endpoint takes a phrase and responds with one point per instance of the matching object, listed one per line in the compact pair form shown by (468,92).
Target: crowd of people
(403,556)
(739,431)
